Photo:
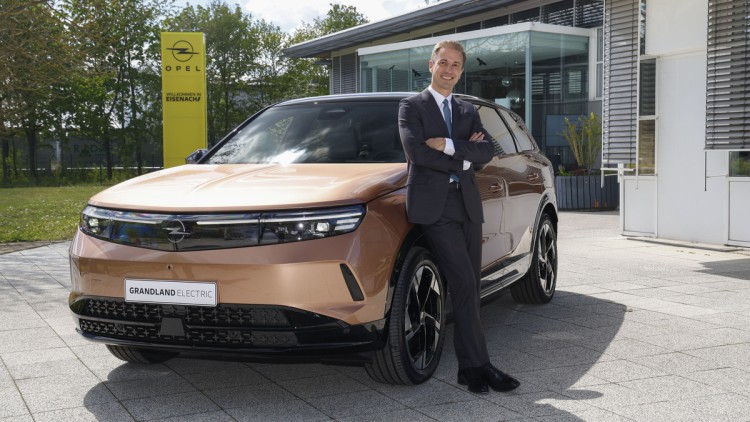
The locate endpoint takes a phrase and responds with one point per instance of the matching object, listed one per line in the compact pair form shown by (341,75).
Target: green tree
(231,61)
(35,62)
(111,87)
(310,76)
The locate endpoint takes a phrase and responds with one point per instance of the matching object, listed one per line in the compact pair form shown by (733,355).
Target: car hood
(236,187)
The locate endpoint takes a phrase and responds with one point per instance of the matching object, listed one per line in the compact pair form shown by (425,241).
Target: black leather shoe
(472,377)
(497,380)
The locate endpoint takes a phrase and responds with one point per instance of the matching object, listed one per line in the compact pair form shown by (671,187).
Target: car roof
(377,96)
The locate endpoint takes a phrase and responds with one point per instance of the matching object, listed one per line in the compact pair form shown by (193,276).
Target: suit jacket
(420,118)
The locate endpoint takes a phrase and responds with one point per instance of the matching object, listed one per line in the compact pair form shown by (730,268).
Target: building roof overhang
(445,11)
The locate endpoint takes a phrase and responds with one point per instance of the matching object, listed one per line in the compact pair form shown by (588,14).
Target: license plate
(170,292)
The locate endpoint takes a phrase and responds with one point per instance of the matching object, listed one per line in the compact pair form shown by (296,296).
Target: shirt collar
(439,97)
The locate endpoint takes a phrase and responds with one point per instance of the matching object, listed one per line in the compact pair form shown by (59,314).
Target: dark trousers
(457,244)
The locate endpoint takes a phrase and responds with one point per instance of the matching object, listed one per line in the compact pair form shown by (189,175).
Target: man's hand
(436,143)
(477,136)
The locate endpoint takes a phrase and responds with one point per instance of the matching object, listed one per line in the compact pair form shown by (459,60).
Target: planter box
(586,192)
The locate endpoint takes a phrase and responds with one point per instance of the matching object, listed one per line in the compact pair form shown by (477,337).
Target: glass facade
(542,76)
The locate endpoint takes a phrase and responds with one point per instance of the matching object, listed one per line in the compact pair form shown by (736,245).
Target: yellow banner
(183,94)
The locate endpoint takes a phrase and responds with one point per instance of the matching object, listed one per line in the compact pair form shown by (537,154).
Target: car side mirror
(195,156)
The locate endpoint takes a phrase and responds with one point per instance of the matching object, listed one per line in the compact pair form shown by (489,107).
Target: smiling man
(443,138)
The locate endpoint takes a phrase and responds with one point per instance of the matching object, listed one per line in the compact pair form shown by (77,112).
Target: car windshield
(319,132)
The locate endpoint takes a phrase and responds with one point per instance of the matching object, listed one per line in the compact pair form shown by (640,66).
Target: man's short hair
(449,44)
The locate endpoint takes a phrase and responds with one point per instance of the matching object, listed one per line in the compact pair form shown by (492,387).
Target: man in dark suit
(443,138)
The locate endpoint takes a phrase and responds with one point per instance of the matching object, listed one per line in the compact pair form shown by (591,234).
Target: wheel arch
(415,237)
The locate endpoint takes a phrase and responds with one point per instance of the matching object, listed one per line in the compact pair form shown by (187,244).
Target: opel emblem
(175,231)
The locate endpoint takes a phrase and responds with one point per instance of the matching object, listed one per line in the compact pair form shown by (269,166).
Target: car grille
(222,315)
(226,325)
(199,336)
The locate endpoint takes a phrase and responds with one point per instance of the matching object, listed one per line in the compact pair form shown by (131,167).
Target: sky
(289,14)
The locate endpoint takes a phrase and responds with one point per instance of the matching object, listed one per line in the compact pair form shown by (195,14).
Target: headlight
(296,226)
(182,232)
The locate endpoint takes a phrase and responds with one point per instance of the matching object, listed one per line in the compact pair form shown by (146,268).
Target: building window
(619,102)
(499,21)
(589,13)
(642,27)
(560,13)
(727,75)
(599,63)
(647,117)
(647,147)
(647,88)
(470,27)
(530,15)
(739,164)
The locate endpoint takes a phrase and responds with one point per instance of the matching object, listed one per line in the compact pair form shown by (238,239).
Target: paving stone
(283,372)
(248,395)
(358,403)
(431,392)
(477,410)
(113,412)
(731,380)
(166,385)
(328,385)
(623,370)
(28,340)
(216,416)
(296,410)
(406,415)
(12,403)
(668,387)
(169,406)
(677,363)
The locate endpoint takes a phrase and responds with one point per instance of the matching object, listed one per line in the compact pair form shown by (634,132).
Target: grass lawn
(47,213)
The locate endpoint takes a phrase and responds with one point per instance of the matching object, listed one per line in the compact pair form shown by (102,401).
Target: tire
(415,335)
(133,355)
(538,286)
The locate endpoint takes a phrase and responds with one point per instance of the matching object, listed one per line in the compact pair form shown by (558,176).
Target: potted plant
(585,139)
(583,189)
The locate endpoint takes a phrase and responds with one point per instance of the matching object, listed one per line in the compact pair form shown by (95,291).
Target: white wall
(675,26)
(690,206)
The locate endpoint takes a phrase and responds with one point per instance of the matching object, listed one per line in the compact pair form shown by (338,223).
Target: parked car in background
(289,241)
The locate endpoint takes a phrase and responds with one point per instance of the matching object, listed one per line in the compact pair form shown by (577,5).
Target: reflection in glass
(497,68)
(646,147)
(739,164)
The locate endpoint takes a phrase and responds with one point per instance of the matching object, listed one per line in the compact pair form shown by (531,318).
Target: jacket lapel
(435,113)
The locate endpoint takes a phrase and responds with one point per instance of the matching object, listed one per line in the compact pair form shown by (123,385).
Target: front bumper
(252,331)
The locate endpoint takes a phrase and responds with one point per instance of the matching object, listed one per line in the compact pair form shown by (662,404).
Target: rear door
(493,188)
(525,178)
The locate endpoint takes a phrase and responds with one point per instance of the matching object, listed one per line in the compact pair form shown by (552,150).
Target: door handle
(533,177)
(496,187)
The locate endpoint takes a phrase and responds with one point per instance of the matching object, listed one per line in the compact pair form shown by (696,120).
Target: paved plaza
(638,330)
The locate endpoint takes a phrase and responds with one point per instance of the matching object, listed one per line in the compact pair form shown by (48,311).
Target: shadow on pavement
(551,348)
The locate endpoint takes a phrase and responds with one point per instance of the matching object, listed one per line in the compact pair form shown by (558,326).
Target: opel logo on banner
(175,231)
(182,51)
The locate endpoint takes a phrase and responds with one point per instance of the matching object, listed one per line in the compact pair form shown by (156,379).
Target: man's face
(446,68)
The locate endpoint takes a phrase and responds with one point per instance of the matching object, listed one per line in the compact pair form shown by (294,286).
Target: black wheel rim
(422,321)
(547,258)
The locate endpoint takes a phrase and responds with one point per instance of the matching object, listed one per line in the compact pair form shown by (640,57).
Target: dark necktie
(447,117)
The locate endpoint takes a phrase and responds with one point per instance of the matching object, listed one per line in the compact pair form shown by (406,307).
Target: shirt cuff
(449,148)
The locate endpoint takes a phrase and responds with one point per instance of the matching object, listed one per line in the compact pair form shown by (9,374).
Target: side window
(494,125)
(518,128)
